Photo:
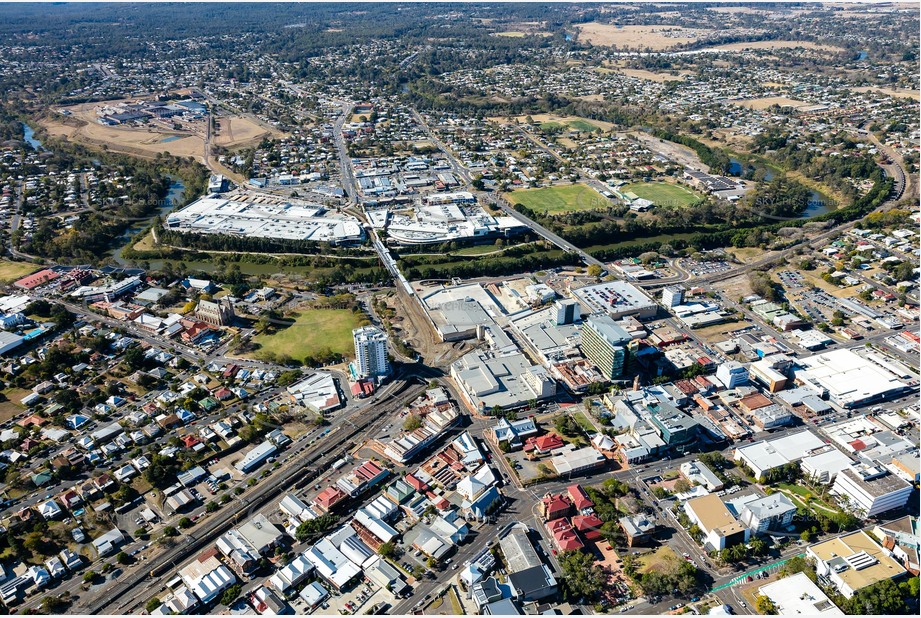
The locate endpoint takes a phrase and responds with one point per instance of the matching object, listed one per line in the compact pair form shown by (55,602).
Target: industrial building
(257,215)
(440,221)
(256,457)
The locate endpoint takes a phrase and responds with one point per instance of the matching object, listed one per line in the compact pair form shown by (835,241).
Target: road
(296,472)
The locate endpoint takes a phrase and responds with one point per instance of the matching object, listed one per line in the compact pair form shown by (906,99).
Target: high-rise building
(672,295)
(567,311)
(605,344)
(370,352)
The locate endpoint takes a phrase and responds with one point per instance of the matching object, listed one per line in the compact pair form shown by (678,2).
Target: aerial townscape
(460,308)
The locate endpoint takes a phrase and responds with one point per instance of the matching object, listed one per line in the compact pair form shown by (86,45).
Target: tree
(412,422)
(185,522)
(613,488)
(123,558)
(387,550)
(152,604)
(806,536)
(582,578)
(230,595)
(170,531)
(594,270)
(765,606)
(682,485)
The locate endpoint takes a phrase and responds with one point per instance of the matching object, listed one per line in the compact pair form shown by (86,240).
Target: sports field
(313,330)
(560,199)
(663,194)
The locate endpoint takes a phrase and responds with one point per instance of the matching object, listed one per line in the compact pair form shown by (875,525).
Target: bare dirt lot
(237,132)
(655,38)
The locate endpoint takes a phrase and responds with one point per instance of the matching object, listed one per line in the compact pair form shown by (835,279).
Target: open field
(653,77)
(654,38)
(766,102)
(575,122)
(11,271)
(559,199)
(663,194)
(776,45)
(892,92)
(717,332)
(313,330)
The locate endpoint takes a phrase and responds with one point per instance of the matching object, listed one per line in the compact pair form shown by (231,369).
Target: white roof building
(769,454)
(331,564)
(207,577)
(797,594)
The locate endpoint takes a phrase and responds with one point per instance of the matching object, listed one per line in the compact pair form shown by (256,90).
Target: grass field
(573,123)
(652,38)
(11,271)
(313,330)
(663,194)
(559,199)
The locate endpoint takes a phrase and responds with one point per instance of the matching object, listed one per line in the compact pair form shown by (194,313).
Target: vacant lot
(559,199)
(766,102)
(663,194)
(655,38)
(11,271)
(518,34)
(662,560)
(9,403)
(313,330)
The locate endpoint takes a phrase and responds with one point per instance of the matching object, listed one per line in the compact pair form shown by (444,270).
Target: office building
(797,594)
(732,374)
(871,489)
(370,352)
(773,512)
(605,344)
(853,562)
(618,299)
(566,311)
(673,295)
(720,529)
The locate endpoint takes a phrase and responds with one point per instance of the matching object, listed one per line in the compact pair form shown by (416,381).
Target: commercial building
(332,565)
(771,372)
(676,428)
(618,299)
(763,456)
(259,215)
(853,561)
(317,392)
(370,352)
(639,529)
(697,472)
(9,341)
(605,344)
(207,577)
(823,467)
(797,594)
(444,220)
(762,514)
(852,380)
(732,374)
(577,461)
(511,381)
(871,489)
(256,456)
(720,529)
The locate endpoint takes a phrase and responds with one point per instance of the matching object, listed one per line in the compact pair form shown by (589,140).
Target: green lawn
(313,330)
(584,423)
(559,199)
(578,124)
(663,194)
(11,271)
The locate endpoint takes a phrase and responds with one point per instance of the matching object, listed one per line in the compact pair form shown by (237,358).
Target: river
(29,135)
(818,204)
(173,197)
